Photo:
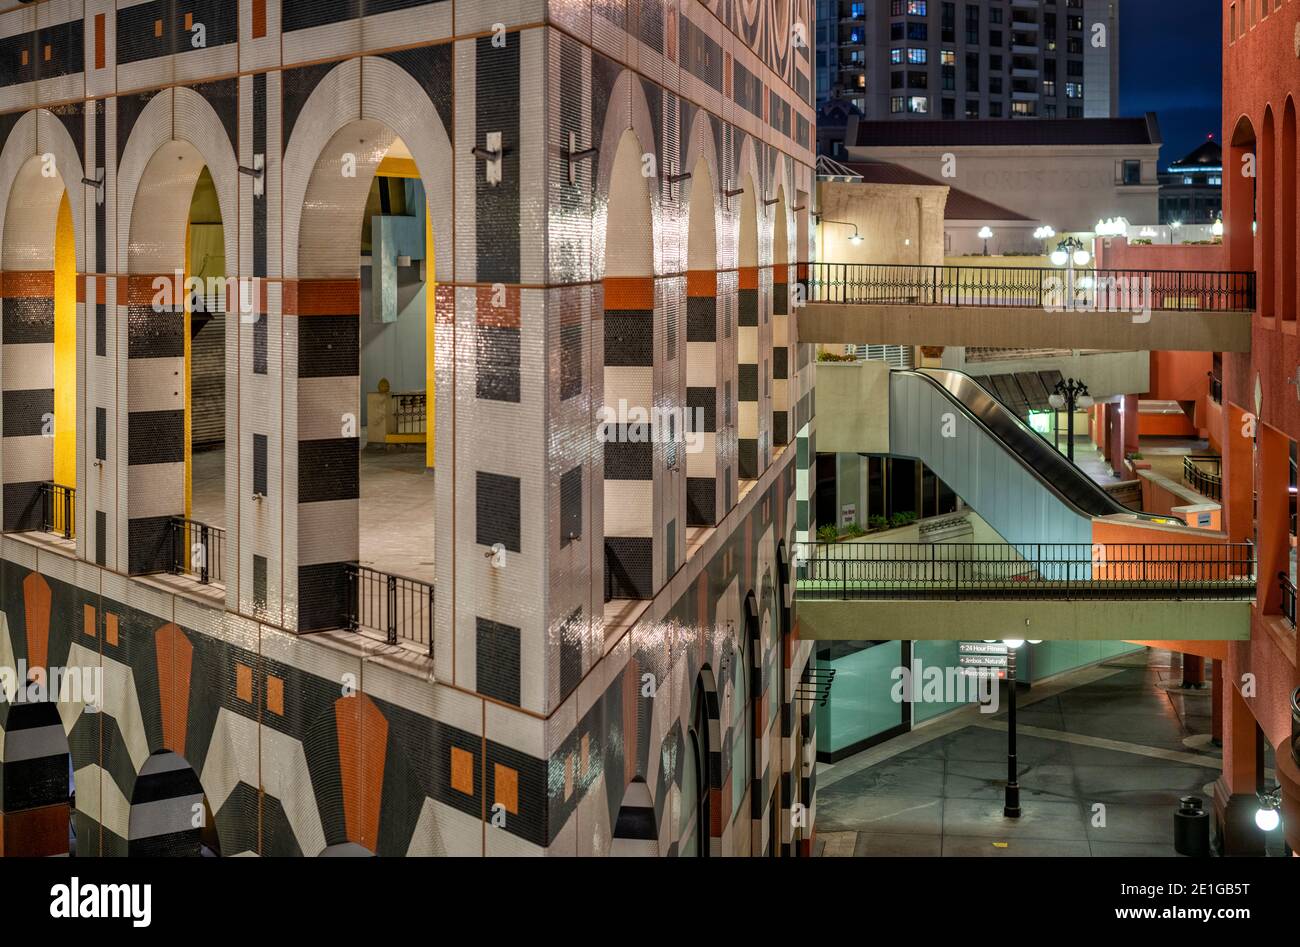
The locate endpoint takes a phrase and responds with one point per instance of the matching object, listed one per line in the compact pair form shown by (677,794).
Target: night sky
(1170,62)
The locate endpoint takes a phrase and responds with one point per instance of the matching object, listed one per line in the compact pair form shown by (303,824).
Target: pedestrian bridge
(1068,591)
(1027,307)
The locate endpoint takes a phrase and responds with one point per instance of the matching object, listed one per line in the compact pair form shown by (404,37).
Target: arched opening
(40,354)
(695,829)
(1267,213)
(747,347)
(635,534)
(364,308)
(178,298)
(39,798)
(702,361)
(1289,273)
(636,833)
(170,815)
(780,423)
(1239,176)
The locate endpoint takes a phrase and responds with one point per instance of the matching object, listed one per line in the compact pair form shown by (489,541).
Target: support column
(28,336)
(1235,802)
(34,820)
(1238,474)
(747,382)
(1216,702)
(703,489)
(780,355)
(1129,413)
(1272,482)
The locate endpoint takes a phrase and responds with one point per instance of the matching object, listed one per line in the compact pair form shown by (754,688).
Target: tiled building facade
(619,196)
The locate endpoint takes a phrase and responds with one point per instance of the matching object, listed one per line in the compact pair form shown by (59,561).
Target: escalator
(1014,478)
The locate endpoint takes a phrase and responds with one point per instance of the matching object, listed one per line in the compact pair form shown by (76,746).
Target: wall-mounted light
(572,155)
(856,238)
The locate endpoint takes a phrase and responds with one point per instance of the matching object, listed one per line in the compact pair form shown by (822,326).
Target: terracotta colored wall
(1117,253)
(1182,376)
(1165,425)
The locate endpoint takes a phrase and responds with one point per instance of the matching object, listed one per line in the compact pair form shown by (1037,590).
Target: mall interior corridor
(1121,734)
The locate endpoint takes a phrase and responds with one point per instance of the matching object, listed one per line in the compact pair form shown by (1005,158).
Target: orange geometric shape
(23,58)
(275,694)
(157,29)
(99,40)
(175,657)
(244,683)
(259,19)
(49,52)
(507,788)
(363,747)
(189,21)
(89,613)
(110,628)
(36,603)
(462,770)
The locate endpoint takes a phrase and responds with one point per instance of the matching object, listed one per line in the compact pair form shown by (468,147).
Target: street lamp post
(1011,801)
(1069,253)
(985,234)
(1070,394)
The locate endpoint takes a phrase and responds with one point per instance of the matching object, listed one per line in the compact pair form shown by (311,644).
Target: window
(949,108)
(947,57)
(1074,111)
(1074,67)
(1049,87)
(896,56)
(918,104)
(1074,90)
(972,108)
(1049,111)
(1074,24)
(916,7)
(1216,180)
(995,37)
(895,31)
(896,80)
(950,78)
(917,56)
(1132,172)
(918,31)
(972,72)
(1024,108)
(995,85)
(895,7)
(570,506)
(918,80)
(995,109)
(995,64)
(995,15)
(949,21)
(1074,45)
(896,104)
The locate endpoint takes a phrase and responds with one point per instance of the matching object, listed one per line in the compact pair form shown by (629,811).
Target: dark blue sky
(1170,63)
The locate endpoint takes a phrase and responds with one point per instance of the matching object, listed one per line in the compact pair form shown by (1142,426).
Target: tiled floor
(1113,736)
(397,503)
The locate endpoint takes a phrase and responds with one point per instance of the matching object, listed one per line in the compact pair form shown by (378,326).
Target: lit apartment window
(896,56)
(1049,87)
(895,103)
(948,57)
(1074,90)
(1216,180)
(972,108)
(918,104)
(1074,24)
(896,7)
(916,7)
(1024,108)
(917,56)
(859,10)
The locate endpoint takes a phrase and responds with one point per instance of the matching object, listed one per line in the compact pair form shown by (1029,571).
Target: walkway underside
(1147,620)
(1023,327)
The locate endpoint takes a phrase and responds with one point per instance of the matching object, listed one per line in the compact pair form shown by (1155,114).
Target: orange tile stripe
(701,283)
(27,284)
(363,743)
(259,19)
(323,297)
(175,656)
(502,317)
(781,273)
(629,292)
(748,277)
(36,602)
(99,40)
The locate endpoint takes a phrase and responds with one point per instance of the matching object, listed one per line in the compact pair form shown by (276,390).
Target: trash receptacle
(1192,828)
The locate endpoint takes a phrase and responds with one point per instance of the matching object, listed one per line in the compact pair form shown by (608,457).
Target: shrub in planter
(877,522)
(902,519)
(827,534)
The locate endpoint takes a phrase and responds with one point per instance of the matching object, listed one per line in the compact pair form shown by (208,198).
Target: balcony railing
(58,509)
(1031,287)
(1208,483)
(1065,571)
(1288,596)
(396,606)
(1295,726)
(197,550)
(1216,388)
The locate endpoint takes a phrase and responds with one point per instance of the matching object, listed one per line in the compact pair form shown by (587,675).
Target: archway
(636,833)
(781,341)
(177,302)
(364,307)
(40,349)
(1290,269)
(747,336)
(703,495)
(170,815)
(1266,210)
(702,777)
(38,798)
(633,520)
(1239,177)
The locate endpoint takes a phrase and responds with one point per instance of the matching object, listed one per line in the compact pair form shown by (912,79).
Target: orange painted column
(1130,415)
(1273,485)
(1238,474)
(1234,792)
(1216,702)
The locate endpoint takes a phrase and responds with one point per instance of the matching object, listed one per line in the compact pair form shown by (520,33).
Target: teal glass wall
(860,705)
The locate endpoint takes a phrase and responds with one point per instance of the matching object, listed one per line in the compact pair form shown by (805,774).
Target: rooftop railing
(396,606)
(1058,571)
(197,550)
(1031,287)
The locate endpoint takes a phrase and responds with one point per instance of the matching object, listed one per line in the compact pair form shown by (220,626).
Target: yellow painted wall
(65,348)
(430,286)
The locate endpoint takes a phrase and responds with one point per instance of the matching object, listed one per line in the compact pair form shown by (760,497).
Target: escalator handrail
(936,378)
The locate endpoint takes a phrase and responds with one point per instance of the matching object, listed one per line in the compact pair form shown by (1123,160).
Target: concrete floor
(397,529)
(1113,734)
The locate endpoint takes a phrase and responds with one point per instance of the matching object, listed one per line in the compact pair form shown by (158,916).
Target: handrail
(197,549)
(58,509)
(1036,287)
(1202,481)
(1216,388)
(1069,571)
(1288,596)
(398,606)
(1295,726)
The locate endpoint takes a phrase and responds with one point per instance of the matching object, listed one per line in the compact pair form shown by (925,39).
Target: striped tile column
(629,452)
(28,336)
(163,809)
(747,385)
(780,355)
(34,820)
(155,337)
(329,473)
(702,484)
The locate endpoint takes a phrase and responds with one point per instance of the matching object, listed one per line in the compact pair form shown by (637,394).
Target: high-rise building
(946,59)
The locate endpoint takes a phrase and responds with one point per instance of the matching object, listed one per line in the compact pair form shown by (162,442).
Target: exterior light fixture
(1081,257)
(985,234)
(1059,257)
(856,239)
(1266,816)
(1070,395)
(1070,250)
(1217,229)
(1013,643)
(1044,233)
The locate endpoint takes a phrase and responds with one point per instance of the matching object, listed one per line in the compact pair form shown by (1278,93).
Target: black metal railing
(399,607)
(1032,287)
(1295,726)
(1288,596)
(197,550)
(1065,571)
(1208,483)
(409,413)
(1216,388)
(58,509)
